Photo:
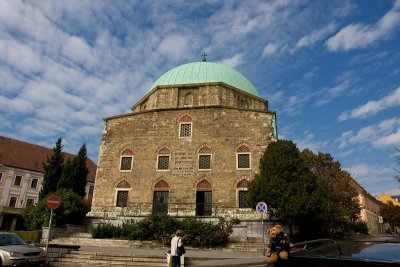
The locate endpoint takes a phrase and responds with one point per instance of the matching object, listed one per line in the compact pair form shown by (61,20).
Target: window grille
(243,199)
(185,130)
(122,198)
(160,202)
(126,163)
(163,162)
(204,162)
(243,161)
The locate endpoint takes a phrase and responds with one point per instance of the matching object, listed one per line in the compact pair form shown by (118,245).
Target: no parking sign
(261,207)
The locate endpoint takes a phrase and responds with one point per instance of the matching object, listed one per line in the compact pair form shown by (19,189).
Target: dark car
(327,252)
(15,252)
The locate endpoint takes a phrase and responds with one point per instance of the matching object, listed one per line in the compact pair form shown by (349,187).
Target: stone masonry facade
(189,150)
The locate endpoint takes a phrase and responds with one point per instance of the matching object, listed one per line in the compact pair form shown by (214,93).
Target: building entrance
(203,203)
(160,202)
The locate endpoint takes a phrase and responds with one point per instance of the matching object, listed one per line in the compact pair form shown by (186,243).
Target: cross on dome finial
(204,57)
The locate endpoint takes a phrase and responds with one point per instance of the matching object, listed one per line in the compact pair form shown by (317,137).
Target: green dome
(205,72)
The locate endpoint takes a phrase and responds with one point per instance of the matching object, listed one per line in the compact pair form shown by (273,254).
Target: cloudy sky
(331,69)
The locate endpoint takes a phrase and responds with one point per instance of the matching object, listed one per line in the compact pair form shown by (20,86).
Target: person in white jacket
(175,243)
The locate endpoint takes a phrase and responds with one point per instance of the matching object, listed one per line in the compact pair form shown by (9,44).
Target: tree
(336,185)
(72,210)
(74,173)
(286,185)
(391,214)
(52,170)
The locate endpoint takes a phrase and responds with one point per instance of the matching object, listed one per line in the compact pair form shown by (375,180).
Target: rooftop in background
(205,72)
(385,198)
(23,155)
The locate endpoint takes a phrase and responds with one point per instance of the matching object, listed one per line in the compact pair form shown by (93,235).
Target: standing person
(175,243)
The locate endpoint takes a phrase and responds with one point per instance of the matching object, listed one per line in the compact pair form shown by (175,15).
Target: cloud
(232,62)
(316,35)
(270,49)
(381,135)
(328,94)
(174,46)
(359,35)
(308,141)
(373,107)
(374,177)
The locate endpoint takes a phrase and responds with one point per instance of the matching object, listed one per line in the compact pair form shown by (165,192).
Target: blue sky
(331,69)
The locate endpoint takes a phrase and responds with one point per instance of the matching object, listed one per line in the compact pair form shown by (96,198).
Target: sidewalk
(193,257)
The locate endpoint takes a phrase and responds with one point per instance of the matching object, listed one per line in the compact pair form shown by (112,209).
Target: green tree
(52,170)
(286,185)
(338,191)
(74,173)
(391,214)
(71,211)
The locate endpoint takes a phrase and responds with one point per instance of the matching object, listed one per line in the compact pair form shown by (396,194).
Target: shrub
(72,210)
(30,236)
(359,227)
(163,227)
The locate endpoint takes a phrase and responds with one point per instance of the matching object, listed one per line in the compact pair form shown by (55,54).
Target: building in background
(189,147)
(21,176)
(370,209)
(385,198)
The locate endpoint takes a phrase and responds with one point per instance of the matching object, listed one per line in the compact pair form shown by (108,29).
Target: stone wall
(222,129)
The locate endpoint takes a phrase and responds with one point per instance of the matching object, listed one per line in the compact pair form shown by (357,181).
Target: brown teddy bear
(279,247)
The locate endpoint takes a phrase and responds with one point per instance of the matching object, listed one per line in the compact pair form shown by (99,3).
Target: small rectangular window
(30,202)
(243,161)
(204,162)
(13,202)
(34,183)
(122,199)
(185,130)
(126,163)
(91,189)
(17,180)
(1,176)
(163,162)
(243,199)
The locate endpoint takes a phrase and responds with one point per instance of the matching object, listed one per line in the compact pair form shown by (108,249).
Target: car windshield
(9,239)
(347,249)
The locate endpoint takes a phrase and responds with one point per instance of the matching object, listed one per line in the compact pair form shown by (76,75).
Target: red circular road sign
(53,202)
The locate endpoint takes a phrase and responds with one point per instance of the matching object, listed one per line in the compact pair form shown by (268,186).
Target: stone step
(84,258)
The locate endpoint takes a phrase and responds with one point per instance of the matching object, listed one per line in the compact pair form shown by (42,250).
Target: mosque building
(189,147)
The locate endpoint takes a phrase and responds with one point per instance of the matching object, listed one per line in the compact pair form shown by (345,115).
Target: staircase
(85,258)
(112,252)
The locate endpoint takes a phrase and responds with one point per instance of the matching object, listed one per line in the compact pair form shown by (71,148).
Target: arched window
(204,198)
(163,158)
(126,161)
(160,197)
(205,158)
(243,157)
(188,100)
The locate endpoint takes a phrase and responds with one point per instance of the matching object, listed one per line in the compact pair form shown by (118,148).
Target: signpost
(53,202)
(262,208)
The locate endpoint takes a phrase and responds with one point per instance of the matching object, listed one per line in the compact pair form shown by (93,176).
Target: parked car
(15,252)
(326,252)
